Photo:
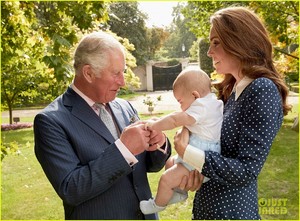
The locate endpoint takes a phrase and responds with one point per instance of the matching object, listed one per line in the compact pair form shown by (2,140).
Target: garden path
(168,102)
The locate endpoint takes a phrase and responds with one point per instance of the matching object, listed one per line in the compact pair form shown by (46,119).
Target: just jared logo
(272,206)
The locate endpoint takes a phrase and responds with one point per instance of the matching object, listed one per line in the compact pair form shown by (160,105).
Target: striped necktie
(106,117)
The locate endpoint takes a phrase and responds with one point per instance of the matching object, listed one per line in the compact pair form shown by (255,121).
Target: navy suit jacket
(86,169)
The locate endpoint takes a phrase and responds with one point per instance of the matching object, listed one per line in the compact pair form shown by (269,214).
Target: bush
(293,76)
(9,148)
(205,61)
(17,126)
(172,62)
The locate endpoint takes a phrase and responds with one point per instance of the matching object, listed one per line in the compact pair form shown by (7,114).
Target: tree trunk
(10,113)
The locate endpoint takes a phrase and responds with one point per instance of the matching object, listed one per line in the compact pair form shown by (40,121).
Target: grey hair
(93,50)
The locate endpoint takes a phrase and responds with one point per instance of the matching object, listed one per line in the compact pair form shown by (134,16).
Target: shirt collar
(240,87)
(84,97)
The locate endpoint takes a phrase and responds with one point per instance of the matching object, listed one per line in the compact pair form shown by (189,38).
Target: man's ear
(196,94)
(88,73)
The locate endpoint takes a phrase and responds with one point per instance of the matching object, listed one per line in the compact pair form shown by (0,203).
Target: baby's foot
(149,206)
(178,197)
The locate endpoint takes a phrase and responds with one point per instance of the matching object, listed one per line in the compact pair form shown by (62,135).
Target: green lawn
(27,194)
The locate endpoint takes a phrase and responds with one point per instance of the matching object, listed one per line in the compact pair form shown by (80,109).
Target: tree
(157,36)
(281,18)
(181,38)
(128,22)
(38,39)
(22,50)
(197,15)
(283,26)
(205,62)
(63,23)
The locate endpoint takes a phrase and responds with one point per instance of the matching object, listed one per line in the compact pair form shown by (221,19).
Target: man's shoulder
(122,102)
(53,106)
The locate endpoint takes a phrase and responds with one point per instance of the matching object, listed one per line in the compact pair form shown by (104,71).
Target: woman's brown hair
(244,36)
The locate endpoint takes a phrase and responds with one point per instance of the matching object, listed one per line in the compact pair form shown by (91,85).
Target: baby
(202,115)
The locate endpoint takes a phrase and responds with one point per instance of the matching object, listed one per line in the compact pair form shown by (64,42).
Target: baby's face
(184,98)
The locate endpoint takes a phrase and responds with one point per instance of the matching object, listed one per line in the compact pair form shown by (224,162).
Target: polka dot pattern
(249,127)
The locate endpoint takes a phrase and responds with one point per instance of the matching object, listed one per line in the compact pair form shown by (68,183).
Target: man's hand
(157,139)
(136,138)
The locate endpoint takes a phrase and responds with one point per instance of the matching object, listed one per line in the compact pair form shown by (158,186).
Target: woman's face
(223,62)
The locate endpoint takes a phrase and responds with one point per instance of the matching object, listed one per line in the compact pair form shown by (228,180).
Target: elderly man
(88,145)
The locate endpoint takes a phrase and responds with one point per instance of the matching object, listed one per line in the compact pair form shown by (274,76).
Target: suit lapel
(118,115)
(81,110)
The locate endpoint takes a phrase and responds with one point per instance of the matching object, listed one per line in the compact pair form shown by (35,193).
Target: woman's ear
(196,94)
(88,73)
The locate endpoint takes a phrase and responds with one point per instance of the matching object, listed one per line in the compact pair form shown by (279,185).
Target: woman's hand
(195,179)
(193,182)
(181,140)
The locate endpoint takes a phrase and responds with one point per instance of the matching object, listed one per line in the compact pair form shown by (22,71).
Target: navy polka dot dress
(250,124)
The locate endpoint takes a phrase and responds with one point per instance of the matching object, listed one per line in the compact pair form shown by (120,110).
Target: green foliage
(9,148)
(172,62)
(281,19)
(194,51)
(293,76)
(205,62)
(128,22)
(197,14)
(132,82)
(156,38)
(181,38)
(37,45)
(63,22)
(150,101)
(23,48)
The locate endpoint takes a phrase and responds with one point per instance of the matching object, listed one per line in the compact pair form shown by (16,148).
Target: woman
(255,96)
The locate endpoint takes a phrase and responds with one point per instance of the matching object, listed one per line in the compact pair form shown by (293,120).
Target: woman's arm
(259,126)
(188,153)
(195,179)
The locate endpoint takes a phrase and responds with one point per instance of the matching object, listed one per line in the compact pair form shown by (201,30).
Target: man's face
(107,83)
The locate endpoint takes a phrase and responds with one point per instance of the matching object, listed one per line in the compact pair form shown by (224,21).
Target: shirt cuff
(194,157)
(129,157)
(166,146)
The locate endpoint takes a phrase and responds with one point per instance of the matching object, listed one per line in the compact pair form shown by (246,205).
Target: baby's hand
(149,125)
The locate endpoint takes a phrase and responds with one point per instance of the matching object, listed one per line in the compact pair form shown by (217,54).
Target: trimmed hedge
(16,126)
